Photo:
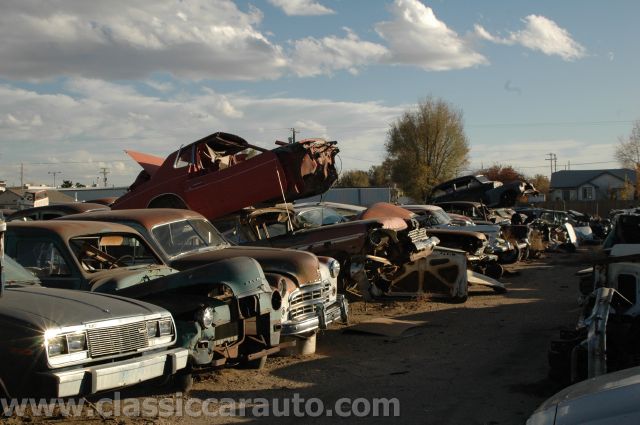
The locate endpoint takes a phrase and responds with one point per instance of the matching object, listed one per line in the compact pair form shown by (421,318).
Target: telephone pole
(104,171)
(54,176)
(553,160)
(292,139)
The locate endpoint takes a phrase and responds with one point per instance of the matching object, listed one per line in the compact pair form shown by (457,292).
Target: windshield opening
(185,236)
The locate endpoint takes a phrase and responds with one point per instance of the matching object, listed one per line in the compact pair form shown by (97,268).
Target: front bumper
(93,379)
(322,317)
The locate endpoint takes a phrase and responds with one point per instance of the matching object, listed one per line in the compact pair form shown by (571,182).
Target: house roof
(55,197)
(575,178)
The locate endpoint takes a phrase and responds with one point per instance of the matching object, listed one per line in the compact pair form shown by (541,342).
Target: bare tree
(628,153)
(426,146)
(628,150)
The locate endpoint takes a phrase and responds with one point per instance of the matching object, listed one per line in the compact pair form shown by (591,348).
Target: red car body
(218,175)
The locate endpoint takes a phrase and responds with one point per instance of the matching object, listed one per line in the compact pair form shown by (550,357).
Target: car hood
(302,266)
(124,277)
(607,394)
(389,215)
(50,307)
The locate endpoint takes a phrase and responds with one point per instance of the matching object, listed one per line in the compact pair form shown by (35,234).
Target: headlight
(205,317)
(165,327)
(77,342)
(334,268)
(55,346)
(152,328)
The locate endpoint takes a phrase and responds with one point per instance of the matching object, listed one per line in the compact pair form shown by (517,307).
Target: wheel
(511,256)
(494,271)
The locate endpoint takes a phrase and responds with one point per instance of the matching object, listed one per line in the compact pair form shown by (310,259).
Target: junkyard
(474,315)
(296,211)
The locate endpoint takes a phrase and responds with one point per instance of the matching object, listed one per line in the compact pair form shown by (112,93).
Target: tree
(502,173)
(628,153)
(426,146)
(380,175)
(541,183)
(78,185)
(66,184)
(353,178)
(628,150)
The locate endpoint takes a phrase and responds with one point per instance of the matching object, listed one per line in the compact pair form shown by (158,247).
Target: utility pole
(552,158)
(104,171)
(292,139)
(21,175)
(54,176)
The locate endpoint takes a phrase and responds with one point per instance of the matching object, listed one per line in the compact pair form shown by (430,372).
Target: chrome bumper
(323,316)
(93,379)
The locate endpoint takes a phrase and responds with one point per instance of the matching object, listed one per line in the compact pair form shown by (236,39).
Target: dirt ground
(482,362)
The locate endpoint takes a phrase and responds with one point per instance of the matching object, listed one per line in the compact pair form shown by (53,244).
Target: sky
(81,81)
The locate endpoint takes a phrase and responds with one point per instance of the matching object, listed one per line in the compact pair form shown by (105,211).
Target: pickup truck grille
(117,339)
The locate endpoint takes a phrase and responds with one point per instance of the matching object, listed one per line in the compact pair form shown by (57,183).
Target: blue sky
(82,81)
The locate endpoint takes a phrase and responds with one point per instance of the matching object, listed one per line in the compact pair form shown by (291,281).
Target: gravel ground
(481,362)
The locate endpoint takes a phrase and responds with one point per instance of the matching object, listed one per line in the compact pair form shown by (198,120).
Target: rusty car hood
(389,215)
(303,266)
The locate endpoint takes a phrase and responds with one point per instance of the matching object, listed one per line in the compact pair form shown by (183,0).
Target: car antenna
(286,205)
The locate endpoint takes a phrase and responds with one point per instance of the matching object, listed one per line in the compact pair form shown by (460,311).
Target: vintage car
(225,312)
(217,165)
(608,399)
(477,211)
(378,256)
(185,239)
(62,343)
(52,211)
(478,188)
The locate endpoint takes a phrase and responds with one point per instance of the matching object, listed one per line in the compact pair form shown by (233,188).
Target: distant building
(592,185)
(11,197)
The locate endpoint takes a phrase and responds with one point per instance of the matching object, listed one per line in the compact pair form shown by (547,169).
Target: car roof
(68,229)
(71,208)
(148,217)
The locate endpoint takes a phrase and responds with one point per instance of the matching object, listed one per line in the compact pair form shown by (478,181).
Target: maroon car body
(222,173)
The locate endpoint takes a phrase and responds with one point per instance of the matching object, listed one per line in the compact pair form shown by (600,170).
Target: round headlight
(334,268)
(205,317)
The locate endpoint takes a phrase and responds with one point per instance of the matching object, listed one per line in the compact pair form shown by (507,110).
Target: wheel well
(168,201)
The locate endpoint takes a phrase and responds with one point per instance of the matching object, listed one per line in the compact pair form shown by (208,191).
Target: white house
(592,185)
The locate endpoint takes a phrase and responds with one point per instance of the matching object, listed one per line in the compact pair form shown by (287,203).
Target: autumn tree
(502,173)
(380,175)
(426,146)
(541,183)
(353,178)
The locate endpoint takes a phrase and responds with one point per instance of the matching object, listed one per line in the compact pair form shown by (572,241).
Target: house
(592,185)
(10,197)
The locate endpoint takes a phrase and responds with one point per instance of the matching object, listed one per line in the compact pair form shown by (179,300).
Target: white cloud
(417,37)
(542,34)
(301,7)
(95,121)
(120,39)
(313,56)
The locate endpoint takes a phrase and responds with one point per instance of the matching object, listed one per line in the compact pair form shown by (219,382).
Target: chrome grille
(302,310)
(305,300)
(417,234)
(117,339)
